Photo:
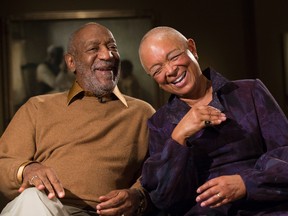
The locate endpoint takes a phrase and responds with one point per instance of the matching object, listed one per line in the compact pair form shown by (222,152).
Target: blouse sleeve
(168,174)
(268,179)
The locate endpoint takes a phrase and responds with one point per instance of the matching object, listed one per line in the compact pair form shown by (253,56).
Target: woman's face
(171,63)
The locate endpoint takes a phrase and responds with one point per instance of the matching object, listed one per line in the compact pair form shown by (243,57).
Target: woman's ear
(192,48)
(70,62)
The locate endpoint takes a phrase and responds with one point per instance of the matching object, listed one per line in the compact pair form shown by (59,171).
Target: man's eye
(112,47)
(93,49)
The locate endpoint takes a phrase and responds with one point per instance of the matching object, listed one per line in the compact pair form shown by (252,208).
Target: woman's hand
(221,190)
(197,118)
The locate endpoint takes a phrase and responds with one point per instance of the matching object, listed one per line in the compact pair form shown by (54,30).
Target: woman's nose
(170,68)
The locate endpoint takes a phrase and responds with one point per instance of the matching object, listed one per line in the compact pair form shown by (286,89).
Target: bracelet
(20,171)
(142,204)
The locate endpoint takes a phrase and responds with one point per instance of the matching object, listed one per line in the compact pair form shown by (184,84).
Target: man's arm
(17,148)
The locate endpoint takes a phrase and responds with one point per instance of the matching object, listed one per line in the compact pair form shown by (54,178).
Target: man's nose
(105,53)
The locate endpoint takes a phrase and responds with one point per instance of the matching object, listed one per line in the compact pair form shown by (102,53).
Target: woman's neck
(204,95)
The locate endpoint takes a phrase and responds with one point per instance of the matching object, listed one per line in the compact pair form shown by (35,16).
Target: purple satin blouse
(252,142)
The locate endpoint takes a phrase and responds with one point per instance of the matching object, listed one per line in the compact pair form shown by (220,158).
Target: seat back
(29,78)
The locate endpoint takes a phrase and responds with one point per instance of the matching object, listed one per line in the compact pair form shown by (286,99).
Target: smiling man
(78,152)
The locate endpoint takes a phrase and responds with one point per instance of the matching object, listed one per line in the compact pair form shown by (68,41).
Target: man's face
(96,60)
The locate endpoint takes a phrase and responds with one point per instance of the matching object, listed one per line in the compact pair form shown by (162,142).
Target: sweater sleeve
(17,146)
(268,179)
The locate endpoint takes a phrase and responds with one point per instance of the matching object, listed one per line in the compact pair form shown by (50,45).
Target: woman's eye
(155,73)
(174,58)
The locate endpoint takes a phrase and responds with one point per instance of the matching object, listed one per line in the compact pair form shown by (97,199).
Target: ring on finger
(219,196)
(207,123)
(31,180)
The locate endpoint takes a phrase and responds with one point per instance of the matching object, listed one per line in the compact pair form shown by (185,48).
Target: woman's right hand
(196,119)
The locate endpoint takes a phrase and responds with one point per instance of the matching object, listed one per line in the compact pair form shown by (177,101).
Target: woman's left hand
(221,190)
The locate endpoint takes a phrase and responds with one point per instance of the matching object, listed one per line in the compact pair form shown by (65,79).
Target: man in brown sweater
(78,152)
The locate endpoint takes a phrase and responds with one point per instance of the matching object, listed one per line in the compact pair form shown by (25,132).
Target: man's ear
(70,62)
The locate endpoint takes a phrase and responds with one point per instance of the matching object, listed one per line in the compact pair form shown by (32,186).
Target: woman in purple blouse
(217,147)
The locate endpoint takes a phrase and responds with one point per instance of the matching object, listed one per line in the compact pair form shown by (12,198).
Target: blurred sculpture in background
(51,74)
(128,83)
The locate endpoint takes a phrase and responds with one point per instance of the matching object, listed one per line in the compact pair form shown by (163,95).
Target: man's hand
(119,202)
(221,190)
(43,178)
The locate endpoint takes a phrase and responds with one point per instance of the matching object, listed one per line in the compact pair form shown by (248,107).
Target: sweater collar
(76,90)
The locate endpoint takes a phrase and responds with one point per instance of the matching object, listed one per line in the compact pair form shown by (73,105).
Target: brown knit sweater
(94,147)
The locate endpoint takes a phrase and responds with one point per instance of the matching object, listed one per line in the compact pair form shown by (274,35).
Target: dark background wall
(239,38)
